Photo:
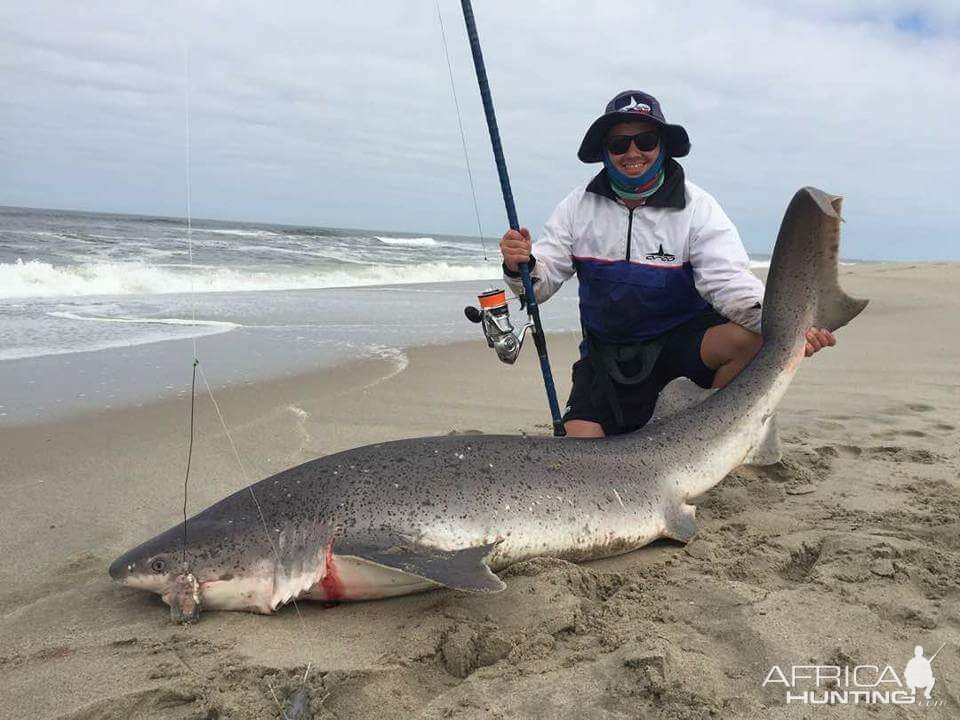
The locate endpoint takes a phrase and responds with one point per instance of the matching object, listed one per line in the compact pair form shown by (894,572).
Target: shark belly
(251,593)
(348,577)
(576,536)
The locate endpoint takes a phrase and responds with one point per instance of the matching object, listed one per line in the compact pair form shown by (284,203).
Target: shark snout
(120,568)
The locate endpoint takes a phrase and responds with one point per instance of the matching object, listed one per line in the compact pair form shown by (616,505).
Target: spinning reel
(494,317)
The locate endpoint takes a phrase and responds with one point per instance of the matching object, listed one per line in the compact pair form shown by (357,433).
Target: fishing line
(203,376)
(193,297)
(463,137)
(186,115)
(186,477)
(253,495)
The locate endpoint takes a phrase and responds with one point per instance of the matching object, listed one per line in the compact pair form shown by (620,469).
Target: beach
(846,553)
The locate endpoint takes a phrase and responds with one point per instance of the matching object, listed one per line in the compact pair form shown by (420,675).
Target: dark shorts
(680,357)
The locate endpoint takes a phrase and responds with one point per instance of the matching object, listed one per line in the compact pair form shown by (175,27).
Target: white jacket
(645,271)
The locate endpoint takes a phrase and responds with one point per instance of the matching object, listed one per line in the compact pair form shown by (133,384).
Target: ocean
(100,311)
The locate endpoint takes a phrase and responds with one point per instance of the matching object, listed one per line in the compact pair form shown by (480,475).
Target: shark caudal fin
(802,287)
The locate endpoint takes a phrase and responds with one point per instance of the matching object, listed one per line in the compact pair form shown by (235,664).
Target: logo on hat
(634,106)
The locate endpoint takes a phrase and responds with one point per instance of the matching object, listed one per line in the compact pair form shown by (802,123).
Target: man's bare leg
(583,429)
(727,349)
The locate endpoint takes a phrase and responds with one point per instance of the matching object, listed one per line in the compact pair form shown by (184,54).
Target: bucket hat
(632,106)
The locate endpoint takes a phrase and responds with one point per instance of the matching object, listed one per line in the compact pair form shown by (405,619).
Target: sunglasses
(619,144)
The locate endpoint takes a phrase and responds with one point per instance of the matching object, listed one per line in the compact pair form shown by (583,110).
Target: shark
(410,515)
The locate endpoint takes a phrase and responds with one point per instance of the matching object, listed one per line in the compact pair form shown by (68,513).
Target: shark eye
(158,565)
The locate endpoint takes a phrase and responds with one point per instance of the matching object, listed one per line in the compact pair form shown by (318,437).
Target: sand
(845,553)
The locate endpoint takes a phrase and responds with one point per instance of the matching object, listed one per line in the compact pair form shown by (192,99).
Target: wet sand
(845,553)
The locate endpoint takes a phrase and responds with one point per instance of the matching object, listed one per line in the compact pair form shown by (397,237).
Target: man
(665,283)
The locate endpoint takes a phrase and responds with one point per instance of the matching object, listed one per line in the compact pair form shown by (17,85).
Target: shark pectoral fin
(681,523)
(458,569)
(768,449)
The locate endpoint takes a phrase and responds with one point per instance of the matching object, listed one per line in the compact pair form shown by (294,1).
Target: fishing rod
(493,312)
(933,657)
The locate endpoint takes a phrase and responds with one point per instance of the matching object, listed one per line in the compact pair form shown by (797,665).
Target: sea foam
(35,278)
(408,241)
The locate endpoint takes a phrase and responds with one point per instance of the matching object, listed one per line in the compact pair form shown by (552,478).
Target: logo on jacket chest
(660,256)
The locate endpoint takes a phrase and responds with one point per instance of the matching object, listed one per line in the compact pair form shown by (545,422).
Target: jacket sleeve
(721,268)
(552,253)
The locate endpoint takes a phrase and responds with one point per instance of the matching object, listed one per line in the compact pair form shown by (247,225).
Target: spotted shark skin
(406,516)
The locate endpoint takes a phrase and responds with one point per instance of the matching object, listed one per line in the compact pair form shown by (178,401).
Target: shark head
(150,566)
(221,565)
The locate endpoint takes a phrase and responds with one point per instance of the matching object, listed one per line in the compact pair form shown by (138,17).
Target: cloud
(342,116)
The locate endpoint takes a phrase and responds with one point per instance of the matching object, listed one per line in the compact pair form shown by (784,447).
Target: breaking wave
(35,278)
(408,241)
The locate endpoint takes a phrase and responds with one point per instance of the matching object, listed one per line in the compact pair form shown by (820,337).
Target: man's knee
(746,343)
(727,343)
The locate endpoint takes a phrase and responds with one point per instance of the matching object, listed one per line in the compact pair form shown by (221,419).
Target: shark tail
(803,289)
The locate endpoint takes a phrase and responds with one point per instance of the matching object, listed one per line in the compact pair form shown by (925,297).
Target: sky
(342,115)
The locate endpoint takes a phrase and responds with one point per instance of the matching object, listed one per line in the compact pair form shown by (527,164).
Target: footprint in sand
(896,453)
(835,451)
(158,702)
(908,408)
(892,434)
(801,563)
